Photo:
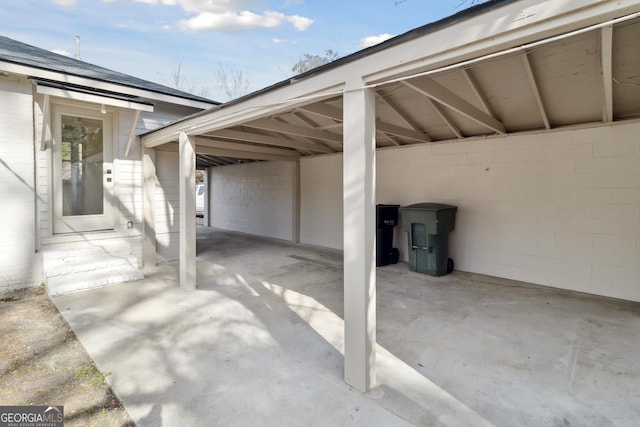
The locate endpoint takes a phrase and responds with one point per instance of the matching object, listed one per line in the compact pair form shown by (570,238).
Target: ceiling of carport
(588,77)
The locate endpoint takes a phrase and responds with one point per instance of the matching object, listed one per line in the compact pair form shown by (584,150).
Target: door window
(82,159)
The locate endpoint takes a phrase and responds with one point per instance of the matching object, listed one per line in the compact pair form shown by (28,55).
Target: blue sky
(261,38)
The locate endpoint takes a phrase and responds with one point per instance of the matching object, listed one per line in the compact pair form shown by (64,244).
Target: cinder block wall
(558,208)
(19,263)
(321,201)
(253,198)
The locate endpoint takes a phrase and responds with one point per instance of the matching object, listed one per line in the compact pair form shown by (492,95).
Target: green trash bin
(428,226)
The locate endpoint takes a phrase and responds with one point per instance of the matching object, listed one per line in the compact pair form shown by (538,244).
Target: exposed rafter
(391,138)
(445,117)
(274,126)
(384,97)
(324,110)
(444,96)
(387,128)
(606,35)
(534,88)
(216,143)
(311,123)
(238,154)
(394,130)
(473,84)
(211,159)
(270,140)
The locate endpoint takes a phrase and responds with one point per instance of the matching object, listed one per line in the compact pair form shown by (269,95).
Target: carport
(499,69)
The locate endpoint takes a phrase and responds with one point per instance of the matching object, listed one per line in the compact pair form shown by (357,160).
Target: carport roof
(498,68)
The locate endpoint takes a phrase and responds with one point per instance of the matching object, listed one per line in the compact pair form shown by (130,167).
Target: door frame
(82,223)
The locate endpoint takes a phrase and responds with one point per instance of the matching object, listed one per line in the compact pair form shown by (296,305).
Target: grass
(97,378)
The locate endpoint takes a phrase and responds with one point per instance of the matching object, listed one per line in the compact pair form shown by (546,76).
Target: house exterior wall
(19,261)
(253,198)
(25,182)
(558,208)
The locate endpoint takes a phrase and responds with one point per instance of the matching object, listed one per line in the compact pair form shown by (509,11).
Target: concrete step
(81,264)
(97,278)
(86,249)
(75,266)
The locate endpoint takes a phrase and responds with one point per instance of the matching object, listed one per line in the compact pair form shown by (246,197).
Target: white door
(82,170)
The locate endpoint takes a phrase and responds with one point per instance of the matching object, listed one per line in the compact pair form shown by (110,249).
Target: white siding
(127,176)
(19,262)
(255,198)
(558,209)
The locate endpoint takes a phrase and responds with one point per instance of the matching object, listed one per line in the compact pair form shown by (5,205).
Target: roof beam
(473,84)
(237,154)
(445,117)
(216,143)
(384,97)
(298,115)
(286,128)
(211,159)
(324,110)
(387,128)
(271,140)
(444,96)
(534,88)
(606,36)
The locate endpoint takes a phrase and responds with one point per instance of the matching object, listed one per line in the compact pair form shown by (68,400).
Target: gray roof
(16,52)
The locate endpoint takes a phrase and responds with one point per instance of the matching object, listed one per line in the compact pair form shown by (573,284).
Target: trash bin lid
(429,207)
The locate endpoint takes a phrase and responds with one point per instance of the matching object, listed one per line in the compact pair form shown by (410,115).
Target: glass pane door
(82,166)
(82,170)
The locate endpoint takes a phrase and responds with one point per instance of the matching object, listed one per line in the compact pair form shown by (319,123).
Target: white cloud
(229,15)
(66,3)
(230,21)
(61,52)
(300,22)
(283,41)
(373,40)
(214,6)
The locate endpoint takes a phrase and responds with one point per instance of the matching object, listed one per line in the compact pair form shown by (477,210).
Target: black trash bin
(386,219)
(428,226)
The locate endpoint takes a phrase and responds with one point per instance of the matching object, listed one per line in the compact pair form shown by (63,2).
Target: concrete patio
(259,343)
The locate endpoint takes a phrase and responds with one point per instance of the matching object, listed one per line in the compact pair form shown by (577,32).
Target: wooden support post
(149,209)
(359,178)
(187,170)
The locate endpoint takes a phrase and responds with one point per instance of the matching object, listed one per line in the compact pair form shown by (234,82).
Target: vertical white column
(359,177)
(149,181)
(205,220)
(187,191)
(295,202)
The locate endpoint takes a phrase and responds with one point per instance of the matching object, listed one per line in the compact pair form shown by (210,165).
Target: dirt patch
(43,363)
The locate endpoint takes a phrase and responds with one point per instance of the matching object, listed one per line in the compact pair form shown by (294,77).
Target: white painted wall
(558,208)
(25,183)
(19,261)
(321,201)
(253,198)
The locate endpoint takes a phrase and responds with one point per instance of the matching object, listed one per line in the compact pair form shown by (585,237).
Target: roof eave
(30,71)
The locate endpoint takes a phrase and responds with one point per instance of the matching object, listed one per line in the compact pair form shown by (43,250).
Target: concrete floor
(259,343)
